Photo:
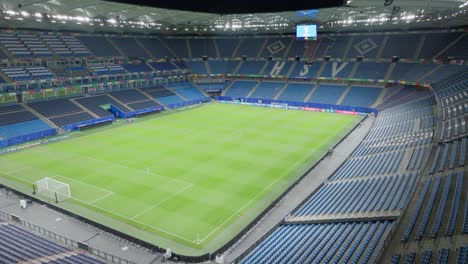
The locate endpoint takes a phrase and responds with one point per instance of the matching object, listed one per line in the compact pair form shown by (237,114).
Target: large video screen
(306,32)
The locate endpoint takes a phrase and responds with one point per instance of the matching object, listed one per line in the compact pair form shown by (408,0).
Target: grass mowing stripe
(188,175)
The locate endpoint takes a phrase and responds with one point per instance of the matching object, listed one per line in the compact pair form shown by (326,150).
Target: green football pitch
(189,179)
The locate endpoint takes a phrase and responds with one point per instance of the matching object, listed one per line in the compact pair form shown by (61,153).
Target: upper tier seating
(363,96)
(250,47)
(178,46)
(223,67)
(371,70)
(156,48)
(337,69)
(251,67)
(401,45)
(436,42)
(197,67)
(202,47)
(226,47)
(275,47)
(303,70)
(411,71)
(99,46)
(365,45)
(129,47)
(277,68)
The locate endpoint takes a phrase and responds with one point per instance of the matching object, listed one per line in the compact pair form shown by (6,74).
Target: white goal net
(53,189)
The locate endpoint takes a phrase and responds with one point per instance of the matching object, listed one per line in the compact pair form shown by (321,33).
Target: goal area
(57,190)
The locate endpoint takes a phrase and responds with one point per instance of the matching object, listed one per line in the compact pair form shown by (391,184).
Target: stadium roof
(106,16)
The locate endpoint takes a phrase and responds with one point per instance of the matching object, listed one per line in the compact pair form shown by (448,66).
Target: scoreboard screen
(306,32)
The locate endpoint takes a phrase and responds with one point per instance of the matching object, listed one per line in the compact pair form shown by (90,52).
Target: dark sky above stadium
(236,6)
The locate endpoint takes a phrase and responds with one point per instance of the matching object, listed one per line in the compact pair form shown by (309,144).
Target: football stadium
(155,131)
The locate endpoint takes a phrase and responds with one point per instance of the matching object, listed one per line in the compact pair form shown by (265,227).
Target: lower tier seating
(352,242)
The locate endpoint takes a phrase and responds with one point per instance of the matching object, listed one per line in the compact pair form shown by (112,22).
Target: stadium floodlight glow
(24,13)
(112,21)
(39,15)
(463,5)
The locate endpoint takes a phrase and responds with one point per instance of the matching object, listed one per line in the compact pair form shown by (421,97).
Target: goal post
(57,190)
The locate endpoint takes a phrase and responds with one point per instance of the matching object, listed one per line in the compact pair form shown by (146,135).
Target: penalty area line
(162,201)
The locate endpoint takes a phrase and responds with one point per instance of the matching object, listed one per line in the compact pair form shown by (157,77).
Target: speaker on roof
(205,58)
(244,58)
(327,58)
(270,58)
(359,58)
(298,58)
(167,59)
(395,59)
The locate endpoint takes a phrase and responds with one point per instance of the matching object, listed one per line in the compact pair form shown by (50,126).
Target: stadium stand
(156,48)
(27,73)
(130,47)
(393,46)
(136,67)
(223,67)
(162,66)
(106,69)
(197,67)
(251,67)
(267,90)
(95,104)
(303,70)
(315,243)
(295,92)
(366,46)
(99,46)
(164,95)
(250,47)
(327,94)
(377,70)
(226,47)
(34,248)
(203,47)
(361,96)
(240,88)
(187,90)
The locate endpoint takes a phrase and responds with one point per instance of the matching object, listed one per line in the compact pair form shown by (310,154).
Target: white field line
(92,186)
(117,214)
(16,170)
(162,201)
(101,198)
(251,200)
(130,168)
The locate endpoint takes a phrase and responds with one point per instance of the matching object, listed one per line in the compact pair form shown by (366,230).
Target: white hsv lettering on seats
(337,69)
(304,71)
(279,65)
